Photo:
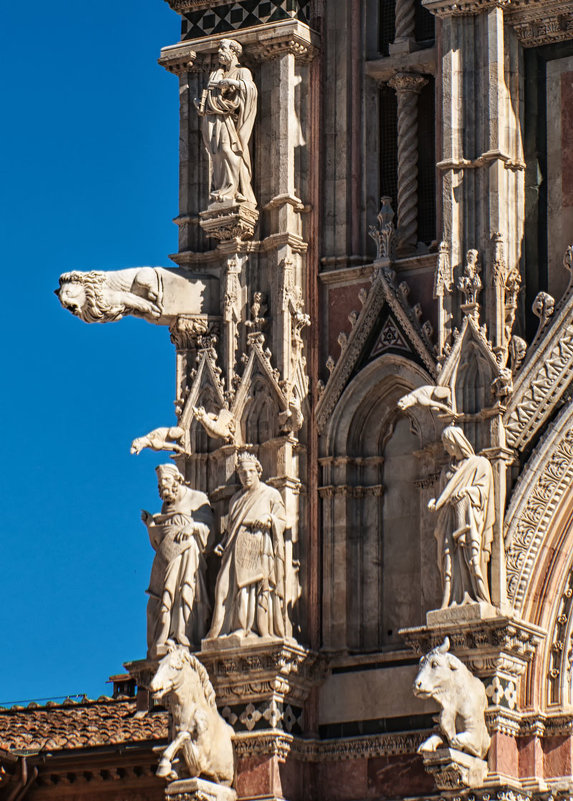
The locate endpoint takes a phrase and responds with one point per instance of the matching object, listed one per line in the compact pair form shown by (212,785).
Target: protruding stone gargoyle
(466,515)
(160,439)
(434,397)
(250,590)
(196,730)
(463,701)
(157,294)
(178,607)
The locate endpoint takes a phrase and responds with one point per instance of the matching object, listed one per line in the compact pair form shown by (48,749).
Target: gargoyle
(438,398)
(160,439)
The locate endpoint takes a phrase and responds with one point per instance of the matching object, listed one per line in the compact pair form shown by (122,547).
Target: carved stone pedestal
(453,770)
(142,670)
(261,683)
(198,790)
(229,220)
(495,647)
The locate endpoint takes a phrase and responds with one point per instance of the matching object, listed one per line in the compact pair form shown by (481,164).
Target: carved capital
(403,82)
(186,331)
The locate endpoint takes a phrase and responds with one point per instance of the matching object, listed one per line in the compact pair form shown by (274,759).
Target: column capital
(403,82)
(447,8)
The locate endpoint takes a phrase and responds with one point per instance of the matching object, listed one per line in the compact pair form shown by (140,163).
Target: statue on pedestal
(228,107)
(464,530)
(250,590)
(178,607)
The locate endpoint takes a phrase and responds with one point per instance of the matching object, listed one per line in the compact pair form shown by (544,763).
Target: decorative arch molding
(534,505)
(389,374)
(373,544)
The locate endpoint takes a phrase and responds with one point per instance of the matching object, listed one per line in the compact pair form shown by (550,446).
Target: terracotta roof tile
(83,725)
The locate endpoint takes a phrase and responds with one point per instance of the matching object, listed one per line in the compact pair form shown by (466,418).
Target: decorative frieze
(228,17)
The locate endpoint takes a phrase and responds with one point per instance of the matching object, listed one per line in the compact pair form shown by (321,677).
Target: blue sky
(89,180)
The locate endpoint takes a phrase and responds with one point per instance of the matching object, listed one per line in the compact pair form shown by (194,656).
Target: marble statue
(178,607)
(196,730)
(157,294)
(218,426)
(228,107)
(250,590)
(462,698)
(466,515)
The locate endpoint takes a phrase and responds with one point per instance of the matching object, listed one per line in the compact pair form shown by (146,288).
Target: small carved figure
(219,426)
(196,729)
(517,351)
(178,607)
(466,515)
(292,418)
(160,439)
(250,590)
(470,282)
(443,677)
(438,398)
(228,107)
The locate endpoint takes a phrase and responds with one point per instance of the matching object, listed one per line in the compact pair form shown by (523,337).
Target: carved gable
(399,328)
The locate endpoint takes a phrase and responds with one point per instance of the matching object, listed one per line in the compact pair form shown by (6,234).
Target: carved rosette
(407,86)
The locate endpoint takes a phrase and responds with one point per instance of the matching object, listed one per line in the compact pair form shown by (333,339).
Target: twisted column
(404,20)
(407,86)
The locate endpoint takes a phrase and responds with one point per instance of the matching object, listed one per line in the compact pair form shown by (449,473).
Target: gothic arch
(372,540)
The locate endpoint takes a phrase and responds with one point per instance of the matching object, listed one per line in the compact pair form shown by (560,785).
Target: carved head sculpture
(169,481)
(86,296)
(456,443)
(434,673)
(229,51)
(249,469)
(169,674)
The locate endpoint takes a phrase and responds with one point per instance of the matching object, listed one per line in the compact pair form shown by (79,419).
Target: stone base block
(229,220)
(198,790)
(454,770)
(464,613)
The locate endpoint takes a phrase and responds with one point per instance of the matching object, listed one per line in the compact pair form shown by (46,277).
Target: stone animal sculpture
(160,439)
(220,425)
(443,677)
(104,297)
(439,398)
(292,418)
(196,728)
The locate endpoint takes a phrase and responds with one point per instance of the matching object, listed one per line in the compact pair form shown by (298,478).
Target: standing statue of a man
(228,107)
(178,607)
(466,516)
(250,590)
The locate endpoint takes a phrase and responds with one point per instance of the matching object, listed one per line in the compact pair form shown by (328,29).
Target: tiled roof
(77,725)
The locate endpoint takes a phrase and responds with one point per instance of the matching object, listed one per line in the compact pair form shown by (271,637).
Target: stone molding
(311,750)
(261,42)
(447,8)
(269,668)
(383,290)
(541,486)
(539,23)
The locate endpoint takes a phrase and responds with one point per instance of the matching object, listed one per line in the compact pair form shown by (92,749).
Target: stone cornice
(261,42)
(447,8)
(539,22)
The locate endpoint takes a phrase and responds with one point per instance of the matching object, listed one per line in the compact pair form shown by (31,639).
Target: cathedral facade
(371,309)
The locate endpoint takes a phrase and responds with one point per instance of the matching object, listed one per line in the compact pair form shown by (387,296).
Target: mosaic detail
(264,715)
(234,16)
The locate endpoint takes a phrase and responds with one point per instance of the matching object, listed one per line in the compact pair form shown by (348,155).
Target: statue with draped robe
(466,516)
(228,108)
